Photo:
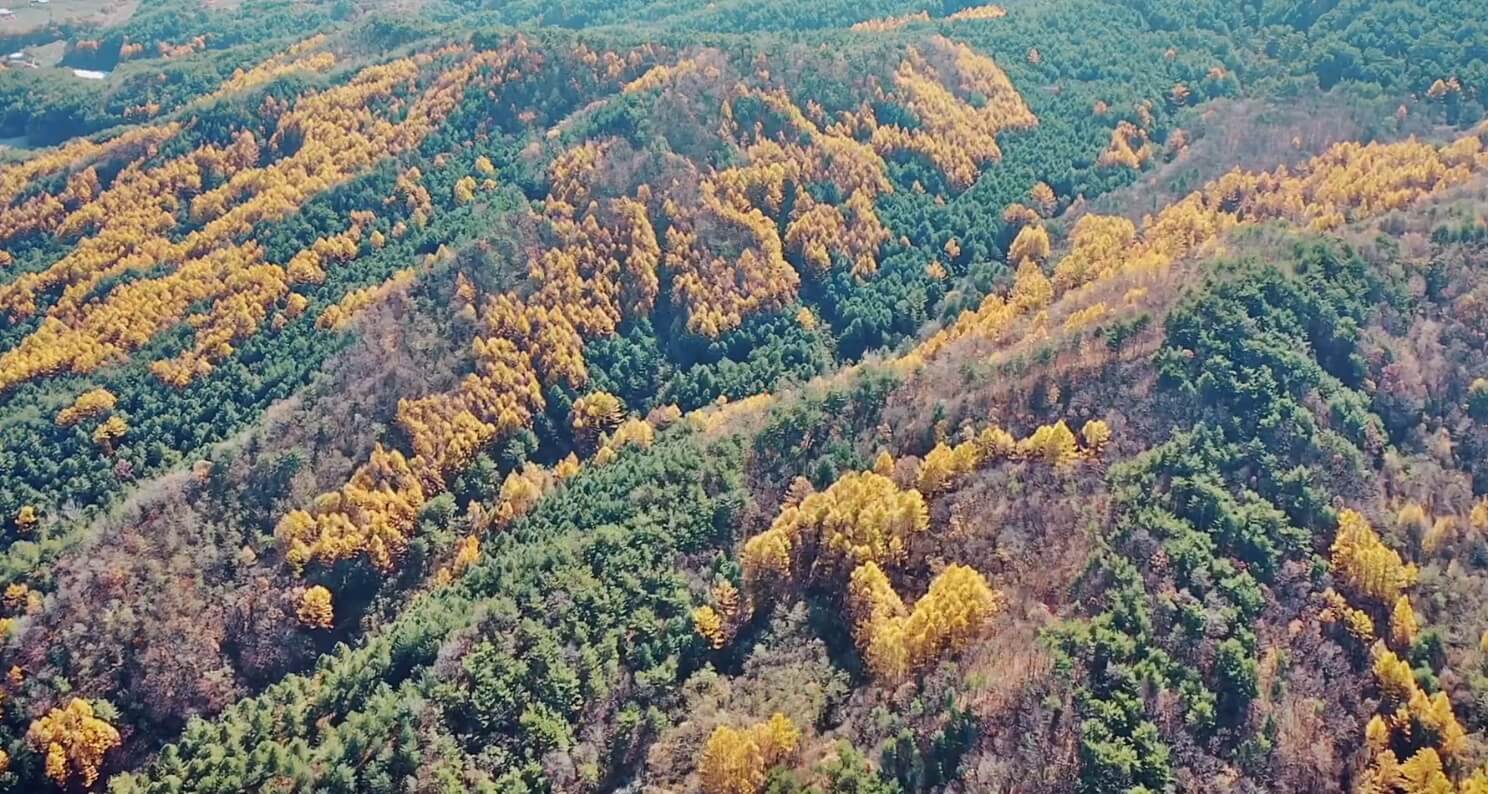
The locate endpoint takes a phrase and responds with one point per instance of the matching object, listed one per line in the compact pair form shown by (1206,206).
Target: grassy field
(29,16)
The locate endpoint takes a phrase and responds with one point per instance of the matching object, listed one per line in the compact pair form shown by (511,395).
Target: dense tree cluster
(74,740)
(654,228)
(897,640)
(1349,182)
(735,761)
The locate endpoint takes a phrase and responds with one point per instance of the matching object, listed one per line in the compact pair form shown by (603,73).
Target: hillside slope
(739,397)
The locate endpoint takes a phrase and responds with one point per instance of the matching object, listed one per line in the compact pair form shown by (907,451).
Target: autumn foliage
(735,761)
(74,741)
(897,640)
(315,609)
(862,517)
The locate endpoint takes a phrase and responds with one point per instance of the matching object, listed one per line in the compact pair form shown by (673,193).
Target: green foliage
(575,617)
(1242,487)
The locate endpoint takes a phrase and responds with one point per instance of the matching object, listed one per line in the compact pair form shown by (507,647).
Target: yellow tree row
(338,136)
(1348,183)
(89,404)
(602,266)
(1412,725)
(978,12)
(75,154)
(300,57)
(1409,724)
(125,228)
(44,212)
(340,314)
(955,135)
(1053,444)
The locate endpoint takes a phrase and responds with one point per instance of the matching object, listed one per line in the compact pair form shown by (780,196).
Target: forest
(897,396)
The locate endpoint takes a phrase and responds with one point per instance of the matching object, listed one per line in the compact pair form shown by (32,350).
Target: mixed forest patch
(887,396)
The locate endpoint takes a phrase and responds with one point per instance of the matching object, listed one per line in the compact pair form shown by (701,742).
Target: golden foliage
(1129,147)
(978,12)
(465,190)
(1396,682)
(897,641)
(107,434)
(74,741)
(1096,434)
(724,244)
(1019,214)
(89,404)
(567,467)
(631,432)
(16,595)
(956,136)
(1411,719)
(1043,197)
(1031,245)
(1364,566)
(710,625)
(1403,624)
(467,554)
(373,515)
(861,517)
(1032,290)
(662,75)
(1086,317)
(338,133)
(1347,183)
(1356,622)
(339,315)
(735,761)
(1098,244)
(596,413)
(944,464)
(519,493)
(315,609)
(1054,444)
(300,57)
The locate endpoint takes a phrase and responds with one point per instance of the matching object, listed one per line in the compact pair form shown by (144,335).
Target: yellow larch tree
(735,761)
(520,492)
(1043,197)
(1403,624)
(1356,622)
(1365,566)
(89,404)
(861,517)
(27,518)
(74,741)
(1031,245)
(315,610)
(709,624)
(897,641)
(107,435)
(1096,434)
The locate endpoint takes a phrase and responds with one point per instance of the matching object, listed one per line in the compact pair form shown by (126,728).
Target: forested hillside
(740,397)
